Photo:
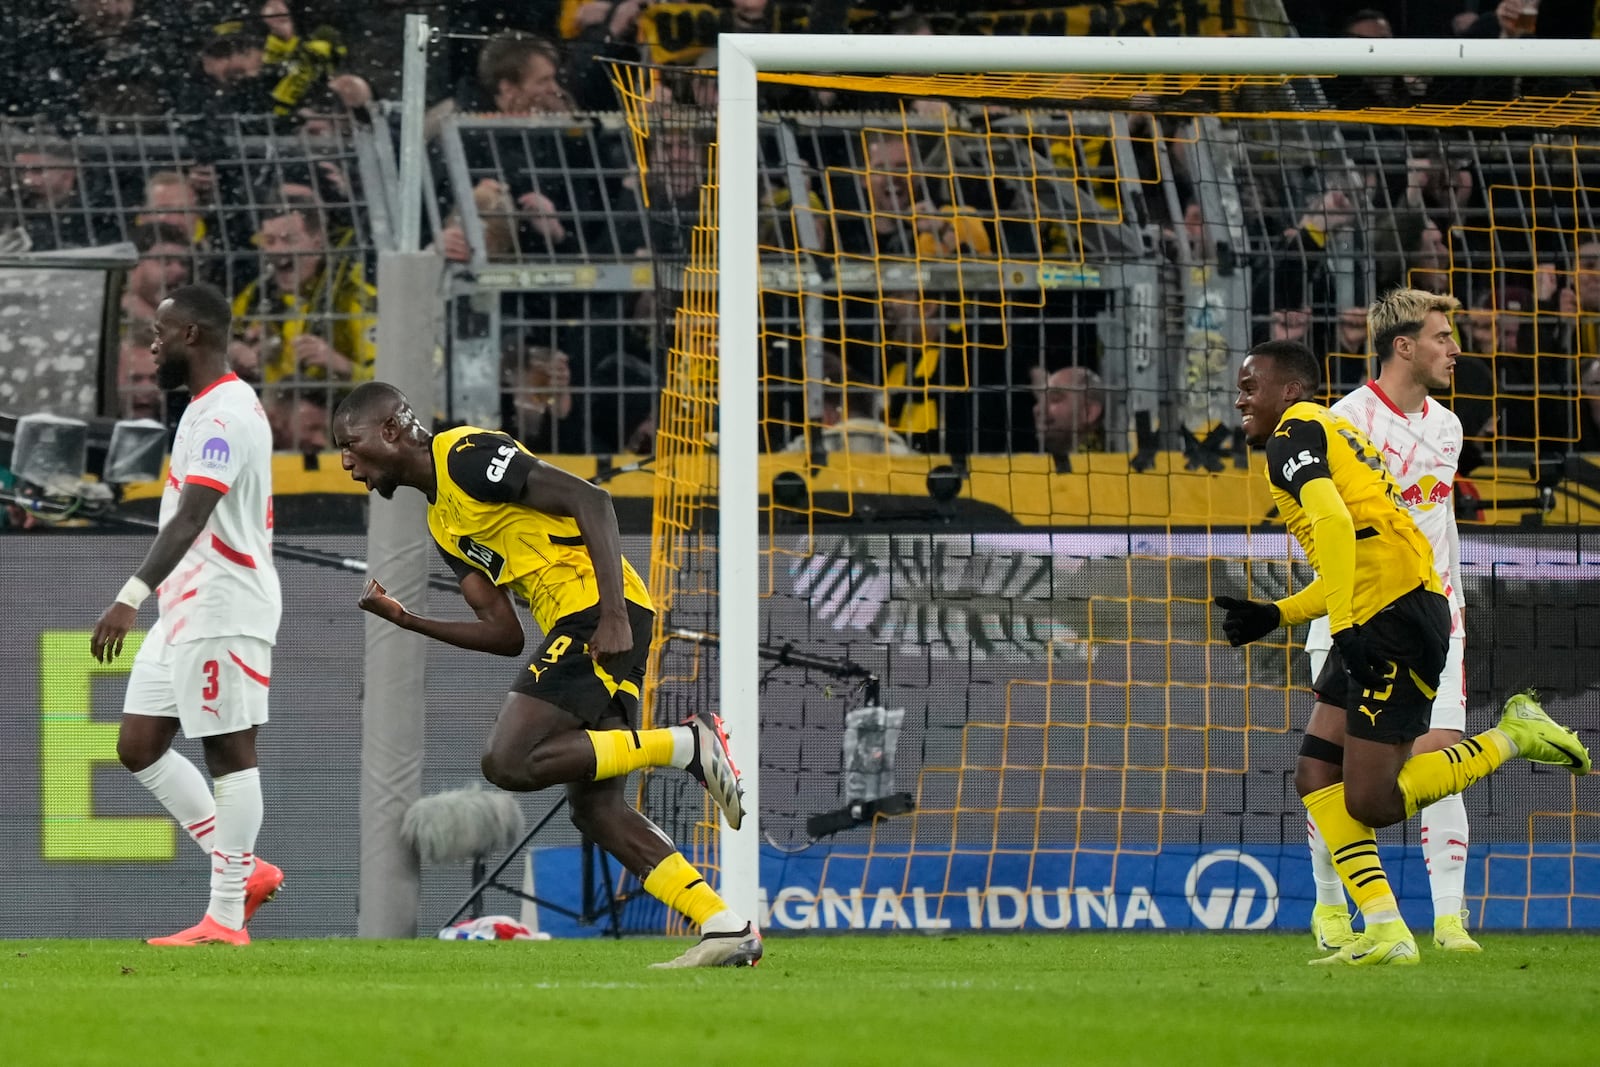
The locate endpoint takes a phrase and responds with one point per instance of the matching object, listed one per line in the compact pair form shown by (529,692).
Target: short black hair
(369,399)
(1366,14)
(205,306)
(1297,362)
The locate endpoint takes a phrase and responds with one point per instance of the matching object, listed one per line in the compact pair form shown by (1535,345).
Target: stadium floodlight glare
(742,57)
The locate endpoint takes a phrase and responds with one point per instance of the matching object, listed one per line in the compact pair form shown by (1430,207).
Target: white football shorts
(216,685)
(1450,705)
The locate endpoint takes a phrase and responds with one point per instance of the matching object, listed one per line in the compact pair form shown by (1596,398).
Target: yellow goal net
(962,410)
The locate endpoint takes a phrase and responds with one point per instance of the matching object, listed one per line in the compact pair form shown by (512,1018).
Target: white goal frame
(740,56)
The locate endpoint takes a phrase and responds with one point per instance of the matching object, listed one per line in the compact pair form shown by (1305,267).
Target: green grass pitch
(969,999)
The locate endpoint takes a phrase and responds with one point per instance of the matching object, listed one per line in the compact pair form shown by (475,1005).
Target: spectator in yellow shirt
(311,314)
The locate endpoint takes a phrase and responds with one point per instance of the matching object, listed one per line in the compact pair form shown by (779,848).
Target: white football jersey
(225,585)
(1421,451)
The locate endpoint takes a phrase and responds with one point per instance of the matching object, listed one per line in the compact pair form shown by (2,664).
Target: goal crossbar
(742,57)
(888,54)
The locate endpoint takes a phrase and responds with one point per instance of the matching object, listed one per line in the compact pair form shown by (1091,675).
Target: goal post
(744,58)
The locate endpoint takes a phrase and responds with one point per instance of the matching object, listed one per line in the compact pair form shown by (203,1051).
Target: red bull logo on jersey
(1427,492)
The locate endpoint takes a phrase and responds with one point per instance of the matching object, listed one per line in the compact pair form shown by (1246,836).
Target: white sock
(726,921)
(682,746)
(182,790)
(233,851)
(1444,846)
(1329,889)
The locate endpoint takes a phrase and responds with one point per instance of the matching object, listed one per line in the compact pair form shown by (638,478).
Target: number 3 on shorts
(213,687)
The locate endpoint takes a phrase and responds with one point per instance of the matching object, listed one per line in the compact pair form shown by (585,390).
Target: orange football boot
(206,932)
(262,886)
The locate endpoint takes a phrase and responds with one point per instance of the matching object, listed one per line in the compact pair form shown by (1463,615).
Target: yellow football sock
(680,887)
(1435,775)
(619,752)
(1355,853)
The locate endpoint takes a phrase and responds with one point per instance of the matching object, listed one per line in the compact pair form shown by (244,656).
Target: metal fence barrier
(1151,250)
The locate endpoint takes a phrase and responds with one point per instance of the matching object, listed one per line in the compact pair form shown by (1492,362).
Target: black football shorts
(561,671)
(1413,634)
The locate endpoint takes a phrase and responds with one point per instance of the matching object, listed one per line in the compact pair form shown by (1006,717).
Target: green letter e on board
(70,745)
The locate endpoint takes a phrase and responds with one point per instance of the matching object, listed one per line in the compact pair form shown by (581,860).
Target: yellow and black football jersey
(1392,557)
(479,523)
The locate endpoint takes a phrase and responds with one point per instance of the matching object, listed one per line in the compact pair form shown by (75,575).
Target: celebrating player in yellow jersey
(503,520)
(1391,627)
(1420,441)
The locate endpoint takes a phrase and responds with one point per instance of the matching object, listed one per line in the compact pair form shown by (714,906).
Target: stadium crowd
(216,139)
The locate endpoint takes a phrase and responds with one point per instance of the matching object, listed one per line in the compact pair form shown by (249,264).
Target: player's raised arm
(496,630)
(555,492)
